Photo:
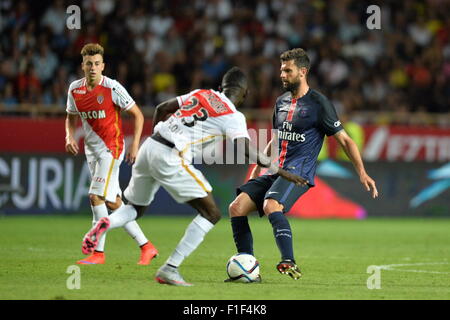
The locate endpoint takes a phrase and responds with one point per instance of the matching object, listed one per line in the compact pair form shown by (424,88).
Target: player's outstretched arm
(264,161)
(267,151)
(164,109)
(138,117)
(71,126)
(351,149)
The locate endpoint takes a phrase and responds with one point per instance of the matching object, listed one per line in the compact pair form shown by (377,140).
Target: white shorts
(158,165)
(105,176)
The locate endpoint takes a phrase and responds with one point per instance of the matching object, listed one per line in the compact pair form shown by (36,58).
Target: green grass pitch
(333,254)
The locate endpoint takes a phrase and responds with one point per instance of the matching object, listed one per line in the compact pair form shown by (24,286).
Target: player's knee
(114,205)
(235,209)
(271,205)
(96,199)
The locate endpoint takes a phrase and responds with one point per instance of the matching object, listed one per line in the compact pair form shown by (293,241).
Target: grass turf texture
(333,255)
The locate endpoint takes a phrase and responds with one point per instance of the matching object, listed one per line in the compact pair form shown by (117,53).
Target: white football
(243,267)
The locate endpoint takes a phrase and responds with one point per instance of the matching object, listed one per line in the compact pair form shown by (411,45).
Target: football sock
(122,216)
(242,234)
(283,234)
(194,235)
(135,232)
(99,212)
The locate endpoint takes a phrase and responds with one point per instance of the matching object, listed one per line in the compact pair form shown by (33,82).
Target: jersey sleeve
(329,121)
(235,126)
(70,105)
(182,99)
(121,97)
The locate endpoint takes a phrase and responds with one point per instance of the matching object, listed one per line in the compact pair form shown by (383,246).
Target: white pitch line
(394,267)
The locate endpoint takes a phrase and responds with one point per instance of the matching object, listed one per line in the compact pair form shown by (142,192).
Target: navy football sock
(283,234)
(242,234)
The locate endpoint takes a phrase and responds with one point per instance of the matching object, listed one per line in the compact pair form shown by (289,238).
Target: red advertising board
(391,143)
(26,135)
(396,143)
(31,135)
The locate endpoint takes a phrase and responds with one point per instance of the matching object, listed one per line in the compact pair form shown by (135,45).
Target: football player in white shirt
(98,100)
(164,159)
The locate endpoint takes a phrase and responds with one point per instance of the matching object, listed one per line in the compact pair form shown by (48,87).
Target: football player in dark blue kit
(302,117)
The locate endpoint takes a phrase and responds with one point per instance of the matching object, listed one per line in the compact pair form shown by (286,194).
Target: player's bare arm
(351,149)
(164,109)
(267,151)
(264,161)
(71,125)
(138,117)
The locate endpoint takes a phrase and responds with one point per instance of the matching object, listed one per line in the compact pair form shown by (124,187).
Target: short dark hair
(299,56)
(234,78)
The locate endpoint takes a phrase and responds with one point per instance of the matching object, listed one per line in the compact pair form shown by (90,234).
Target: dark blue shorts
(272,187)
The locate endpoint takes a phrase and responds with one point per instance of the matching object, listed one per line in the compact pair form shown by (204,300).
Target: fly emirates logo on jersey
(287,134)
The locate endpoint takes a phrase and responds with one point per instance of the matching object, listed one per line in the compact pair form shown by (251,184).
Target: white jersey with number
(204,117)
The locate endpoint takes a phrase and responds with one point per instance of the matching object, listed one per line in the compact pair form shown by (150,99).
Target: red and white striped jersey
(99,110)
(204,116)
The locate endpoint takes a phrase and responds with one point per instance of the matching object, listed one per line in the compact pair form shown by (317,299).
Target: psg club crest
(303,112)
(100,99)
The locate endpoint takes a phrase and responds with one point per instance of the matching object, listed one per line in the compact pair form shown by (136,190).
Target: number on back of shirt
(191,111)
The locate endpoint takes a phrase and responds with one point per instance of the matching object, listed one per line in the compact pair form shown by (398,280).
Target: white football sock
(194,235)
(99,212)
(122,216)
(135,232)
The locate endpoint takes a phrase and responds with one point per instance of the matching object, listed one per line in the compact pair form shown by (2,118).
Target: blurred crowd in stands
(162,48)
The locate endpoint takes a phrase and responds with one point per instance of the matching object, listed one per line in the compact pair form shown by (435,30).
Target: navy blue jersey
(302,125)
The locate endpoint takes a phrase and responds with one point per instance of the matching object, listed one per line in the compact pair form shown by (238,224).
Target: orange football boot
(148,252)
(95,258)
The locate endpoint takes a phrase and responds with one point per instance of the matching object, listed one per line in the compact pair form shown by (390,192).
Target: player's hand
(72,146)
(369,184)
(299,181)
(132,153)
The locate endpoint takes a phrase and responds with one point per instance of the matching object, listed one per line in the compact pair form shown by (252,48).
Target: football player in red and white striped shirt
(98,101)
